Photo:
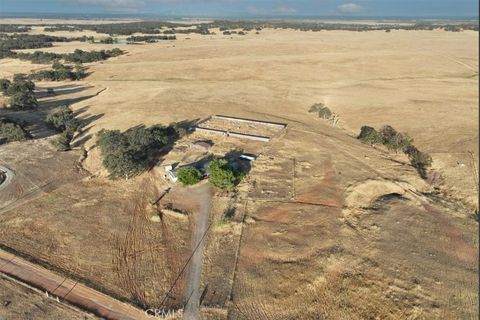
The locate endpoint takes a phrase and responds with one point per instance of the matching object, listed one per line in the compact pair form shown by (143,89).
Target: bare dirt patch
(300,257)
(19,302)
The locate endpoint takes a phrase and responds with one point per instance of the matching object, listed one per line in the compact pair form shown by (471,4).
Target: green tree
(189,175)
(79,71)
(12,131)
(111,141)
(23,100)
(62,142)
(57,65)
(221,175)
(370,135)
(63,119)
(394,140)
(4,84)
(20,85)
(419,160)
(122,164)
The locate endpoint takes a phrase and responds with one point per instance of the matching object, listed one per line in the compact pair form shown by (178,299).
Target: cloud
(350,8)
(281,10)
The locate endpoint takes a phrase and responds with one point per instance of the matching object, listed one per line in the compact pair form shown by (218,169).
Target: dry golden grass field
(322,227)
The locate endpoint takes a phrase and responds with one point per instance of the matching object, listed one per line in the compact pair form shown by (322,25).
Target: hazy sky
(250,7)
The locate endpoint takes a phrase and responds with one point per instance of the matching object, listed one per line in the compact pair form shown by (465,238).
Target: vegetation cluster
(323,111)
(20,92)
(222,176)
(60,72)
(63,120)
(128,153)
(78,56)
(189,175)
(397,141)
(11,131)
(150,38)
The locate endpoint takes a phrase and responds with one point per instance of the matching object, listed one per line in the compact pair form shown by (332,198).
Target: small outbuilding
(202,145)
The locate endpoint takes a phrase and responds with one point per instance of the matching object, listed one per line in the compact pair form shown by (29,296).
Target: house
(171,173)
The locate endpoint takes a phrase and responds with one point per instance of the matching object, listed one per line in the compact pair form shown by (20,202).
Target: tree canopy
(128,153)
(222,176)
(189,175)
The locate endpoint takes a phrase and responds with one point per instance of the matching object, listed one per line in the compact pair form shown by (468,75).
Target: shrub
(419,160)
(370,135)
(323,111)
(108,40)
(12,131)
(394,140)
(23,100)
(62,142)
(63,119)
(189,175)
(4,84)
(20,84)
(221,175)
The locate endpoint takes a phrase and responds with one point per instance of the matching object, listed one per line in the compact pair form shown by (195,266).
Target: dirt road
(203,194)
(68,290)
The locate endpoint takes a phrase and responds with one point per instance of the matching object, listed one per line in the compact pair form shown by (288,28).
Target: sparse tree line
(14,28)
(397,141)
(25,41)
(58,27)
(32,41)
(60,72)
(78,56)
(200,29)
(150,38)
(230,32)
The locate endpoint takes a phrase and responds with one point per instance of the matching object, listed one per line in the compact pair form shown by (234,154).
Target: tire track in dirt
(67,290)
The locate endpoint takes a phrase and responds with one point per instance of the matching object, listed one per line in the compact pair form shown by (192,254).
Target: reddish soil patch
(325,193)
(457,247)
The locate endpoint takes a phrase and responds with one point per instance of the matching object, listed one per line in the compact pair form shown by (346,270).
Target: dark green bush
(129,153)
(4,85)
(222,176)
(370,135)
(20,84)
(419,160)
(20,92)
(323,111)
(63,119)
(62,142)
(394,140)
(12,131)
(60,72)
(23,100)
(189,175)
